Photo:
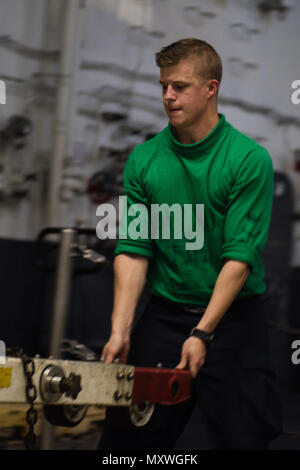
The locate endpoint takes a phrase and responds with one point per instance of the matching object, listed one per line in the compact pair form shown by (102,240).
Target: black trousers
(235,389)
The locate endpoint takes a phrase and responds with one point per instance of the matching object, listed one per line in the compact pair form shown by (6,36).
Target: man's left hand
(192,355)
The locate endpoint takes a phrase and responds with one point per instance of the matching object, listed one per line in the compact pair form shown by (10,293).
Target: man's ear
(213,86)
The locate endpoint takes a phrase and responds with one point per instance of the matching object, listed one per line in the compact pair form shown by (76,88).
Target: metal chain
(31,394)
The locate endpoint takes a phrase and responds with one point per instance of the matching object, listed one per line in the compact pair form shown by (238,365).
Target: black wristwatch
(207,338)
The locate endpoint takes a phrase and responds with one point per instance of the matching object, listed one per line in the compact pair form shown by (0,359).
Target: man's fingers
(116,348)
(107,355)
(109,358)
(103,354)
(195,366)
(183,362)
(194,370)
(110,354)
(188,362)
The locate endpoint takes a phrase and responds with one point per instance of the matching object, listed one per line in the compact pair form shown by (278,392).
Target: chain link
(31,394)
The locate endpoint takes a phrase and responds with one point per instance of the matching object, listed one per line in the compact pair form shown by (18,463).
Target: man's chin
(179,124)
(176,121)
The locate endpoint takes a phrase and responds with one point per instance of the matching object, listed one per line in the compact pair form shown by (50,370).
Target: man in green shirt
(214,189)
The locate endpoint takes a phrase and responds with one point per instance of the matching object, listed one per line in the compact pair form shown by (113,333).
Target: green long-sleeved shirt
(232,177)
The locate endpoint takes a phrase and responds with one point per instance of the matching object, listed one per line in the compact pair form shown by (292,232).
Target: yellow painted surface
(5,377)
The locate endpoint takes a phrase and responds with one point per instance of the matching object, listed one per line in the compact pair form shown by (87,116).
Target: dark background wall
(27,274)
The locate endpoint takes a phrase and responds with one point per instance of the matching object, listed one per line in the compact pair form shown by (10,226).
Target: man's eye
(175,87)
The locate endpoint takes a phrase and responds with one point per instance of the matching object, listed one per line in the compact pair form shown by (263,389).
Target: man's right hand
(117,347)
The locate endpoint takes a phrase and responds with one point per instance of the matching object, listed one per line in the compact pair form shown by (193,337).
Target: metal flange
(140,413)
(50,381)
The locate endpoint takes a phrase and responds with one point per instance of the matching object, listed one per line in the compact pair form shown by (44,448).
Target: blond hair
(210,64)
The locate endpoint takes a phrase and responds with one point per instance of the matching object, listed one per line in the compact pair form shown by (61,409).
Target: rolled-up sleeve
(138,222)
(249,208)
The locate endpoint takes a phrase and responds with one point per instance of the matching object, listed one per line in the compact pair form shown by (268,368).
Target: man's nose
(169,93)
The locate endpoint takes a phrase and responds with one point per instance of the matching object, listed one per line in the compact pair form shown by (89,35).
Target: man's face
(185,94)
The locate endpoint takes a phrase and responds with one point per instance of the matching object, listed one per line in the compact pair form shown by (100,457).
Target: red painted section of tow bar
(164,386)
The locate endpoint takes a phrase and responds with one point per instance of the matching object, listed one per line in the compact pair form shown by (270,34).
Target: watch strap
(204,335)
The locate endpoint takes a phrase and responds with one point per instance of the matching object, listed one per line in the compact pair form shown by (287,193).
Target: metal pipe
(64,92)
(62,292)
(63,276)
(59,313)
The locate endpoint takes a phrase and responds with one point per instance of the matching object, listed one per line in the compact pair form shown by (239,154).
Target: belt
(196,308)
(186,308)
